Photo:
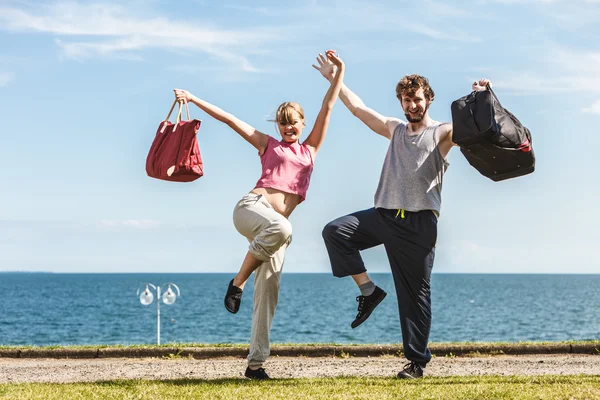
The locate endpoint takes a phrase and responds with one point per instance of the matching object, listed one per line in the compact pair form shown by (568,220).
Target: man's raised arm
(379,124)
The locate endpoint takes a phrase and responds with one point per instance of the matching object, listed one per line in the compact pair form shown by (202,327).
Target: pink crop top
(286,167)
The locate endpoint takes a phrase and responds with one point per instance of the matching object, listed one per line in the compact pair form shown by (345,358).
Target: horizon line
(287,273)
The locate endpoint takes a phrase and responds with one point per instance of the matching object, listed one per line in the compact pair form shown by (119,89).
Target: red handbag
(174,154)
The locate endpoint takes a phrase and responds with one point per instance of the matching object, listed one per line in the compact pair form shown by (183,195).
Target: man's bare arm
(378,123)
(445,143)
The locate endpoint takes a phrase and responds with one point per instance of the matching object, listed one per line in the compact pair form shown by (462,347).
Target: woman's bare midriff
(284,203)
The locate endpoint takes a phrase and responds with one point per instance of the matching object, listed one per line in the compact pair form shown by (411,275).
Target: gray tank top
(413,171)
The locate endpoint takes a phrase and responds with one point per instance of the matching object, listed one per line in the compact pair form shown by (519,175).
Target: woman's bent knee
(283,232)
(271,239)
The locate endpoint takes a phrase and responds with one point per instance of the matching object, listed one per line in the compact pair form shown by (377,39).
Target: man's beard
(416,119)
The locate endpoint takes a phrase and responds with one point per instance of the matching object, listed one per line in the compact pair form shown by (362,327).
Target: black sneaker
(233,298)
(258,374)
(411,370)
(366,305)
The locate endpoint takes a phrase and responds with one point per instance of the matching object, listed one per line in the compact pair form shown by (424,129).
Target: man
(404,219)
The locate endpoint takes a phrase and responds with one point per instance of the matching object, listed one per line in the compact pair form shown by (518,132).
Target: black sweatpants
(409,239)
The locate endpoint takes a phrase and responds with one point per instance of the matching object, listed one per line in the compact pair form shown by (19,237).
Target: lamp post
(169,296)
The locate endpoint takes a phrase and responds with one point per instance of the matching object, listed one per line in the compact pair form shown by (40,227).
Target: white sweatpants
(269,234)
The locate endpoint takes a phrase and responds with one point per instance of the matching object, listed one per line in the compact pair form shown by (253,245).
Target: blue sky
(84,85)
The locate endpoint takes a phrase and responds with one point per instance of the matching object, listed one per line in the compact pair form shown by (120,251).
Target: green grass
(538,387)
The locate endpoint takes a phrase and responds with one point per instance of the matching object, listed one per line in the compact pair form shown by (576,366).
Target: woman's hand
(332,68)
(326,67)
(182,96)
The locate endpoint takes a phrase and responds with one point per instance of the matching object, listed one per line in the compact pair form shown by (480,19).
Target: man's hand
(481,85)
(332,57)
(326,67)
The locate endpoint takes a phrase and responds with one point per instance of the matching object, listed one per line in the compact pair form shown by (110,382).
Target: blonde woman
(262,215)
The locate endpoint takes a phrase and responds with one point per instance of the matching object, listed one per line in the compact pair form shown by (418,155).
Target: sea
(44,309)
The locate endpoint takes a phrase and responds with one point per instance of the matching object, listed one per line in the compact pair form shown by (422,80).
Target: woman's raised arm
(248,132)
(317,135)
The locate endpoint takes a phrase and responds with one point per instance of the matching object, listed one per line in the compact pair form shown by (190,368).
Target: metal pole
(158,315)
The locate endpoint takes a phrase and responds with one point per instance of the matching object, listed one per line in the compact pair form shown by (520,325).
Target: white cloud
(436,20)
(85,31)
(130,223)
(109,30)
(565,71)
(579,17)
(5,78)
(542,2)
(117,49)
(109,20)
(593,109)
(220,73)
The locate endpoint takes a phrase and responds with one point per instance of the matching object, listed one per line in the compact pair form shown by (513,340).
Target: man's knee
(330,230)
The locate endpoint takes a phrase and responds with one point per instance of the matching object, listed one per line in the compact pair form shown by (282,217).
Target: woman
(262,215)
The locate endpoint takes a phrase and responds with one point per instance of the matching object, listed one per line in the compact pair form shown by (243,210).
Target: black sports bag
(492,139)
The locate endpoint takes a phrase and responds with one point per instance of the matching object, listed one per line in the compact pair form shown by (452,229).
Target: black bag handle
(489,87)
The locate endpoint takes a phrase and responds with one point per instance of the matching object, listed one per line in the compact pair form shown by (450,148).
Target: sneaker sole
(407,376)
(231,311)
(367,315)
(255,378)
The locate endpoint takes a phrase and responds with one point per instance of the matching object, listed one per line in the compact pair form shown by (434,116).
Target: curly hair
(410,84)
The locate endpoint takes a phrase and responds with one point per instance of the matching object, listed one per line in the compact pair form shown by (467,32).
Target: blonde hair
(285,112)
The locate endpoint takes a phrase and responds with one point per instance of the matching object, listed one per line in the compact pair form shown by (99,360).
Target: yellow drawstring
(400,213)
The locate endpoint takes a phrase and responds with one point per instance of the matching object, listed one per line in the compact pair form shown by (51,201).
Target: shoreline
(209,351)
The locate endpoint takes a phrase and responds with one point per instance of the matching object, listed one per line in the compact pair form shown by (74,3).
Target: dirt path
(89,370)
